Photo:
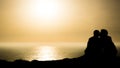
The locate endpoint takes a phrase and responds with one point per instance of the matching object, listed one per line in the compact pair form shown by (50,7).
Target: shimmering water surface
(42,52)
(38,51)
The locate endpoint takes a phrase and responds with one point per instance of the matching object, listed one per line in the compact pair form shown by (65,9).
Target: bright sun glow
(43,13)
(45,9)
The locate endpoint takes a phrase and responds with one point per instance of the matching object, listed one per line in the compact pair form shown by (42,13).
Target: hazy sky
(57,20)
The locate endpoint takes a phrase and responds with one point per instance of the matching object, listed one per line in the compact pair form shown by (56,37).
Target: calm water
(42,52)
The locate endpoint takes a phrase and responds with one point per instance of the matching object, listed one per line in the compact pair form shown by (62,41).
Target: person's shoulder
(109,37)
(91,37)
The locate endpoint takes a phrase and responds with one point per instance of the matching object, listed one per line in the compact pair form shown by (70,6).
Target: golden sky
(57,20)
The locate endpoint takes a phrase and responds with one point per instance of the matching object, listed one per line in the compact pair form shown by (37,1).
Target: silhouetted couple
(100,45)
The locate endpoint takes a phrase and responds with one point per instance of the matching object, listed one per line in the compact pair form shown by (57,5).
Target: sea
(43,51)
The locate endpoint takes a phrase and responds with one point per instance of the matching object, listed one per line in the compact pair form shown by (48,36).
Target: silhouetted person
(93,45)
(108,48)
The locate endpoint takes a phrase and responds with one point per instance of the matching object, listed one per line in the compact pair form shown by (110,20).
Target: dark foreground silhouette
(75,62)
(100,52)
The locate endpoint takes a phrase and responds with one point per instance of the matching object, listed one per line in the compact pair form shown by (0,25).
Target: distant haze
(57,20)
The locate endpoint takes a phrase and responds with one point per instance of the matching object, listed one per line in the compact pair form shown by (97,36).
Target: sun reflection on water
(41,52)
(46,53)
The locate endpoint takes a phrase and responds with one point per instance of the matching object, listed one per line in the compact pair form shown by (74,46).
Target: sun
(41,15)
(44,14)
(44,9)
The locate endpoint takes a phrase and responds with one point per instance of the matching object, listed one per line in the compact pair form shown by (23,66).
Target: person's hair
(96,32)
(104,32)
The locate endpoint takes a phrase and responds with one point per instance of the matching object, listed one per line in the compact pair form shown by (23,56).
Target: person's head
(96,33)
(104,33)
